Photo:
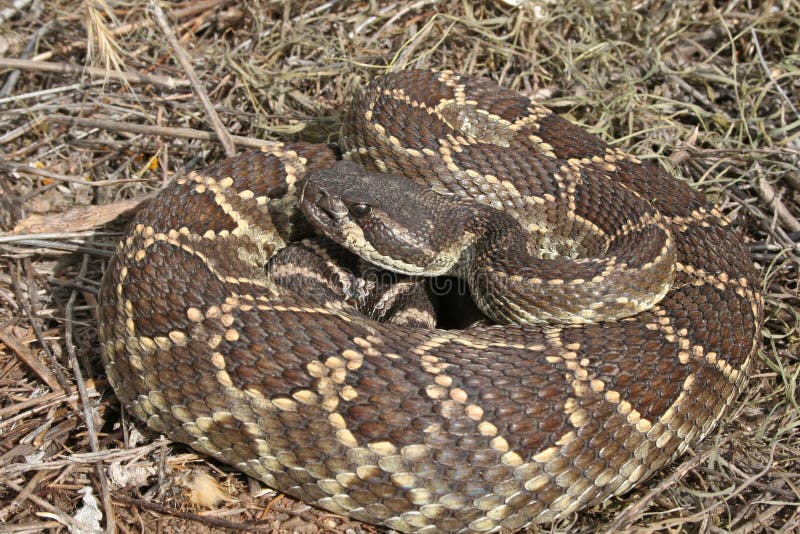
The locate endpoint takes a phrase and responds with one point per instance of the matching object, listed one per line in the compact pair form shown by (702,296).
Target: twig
(29,488)
(37,404)
(764,66)
(42,247)
(29,358)
(38,501)
(192,9)
(631,512)
(20,167)
(26,305)
(771,198)
(761,522)
(107,456)
(68,68)
(38,526)
(88,418)
(199,90)
(11,81)
(185,133)
(46,92)
(303,15)
(203,519)
(401,59)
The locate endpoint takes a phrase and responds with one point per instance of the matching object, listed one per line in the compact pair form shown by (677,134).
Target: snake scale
(434,430)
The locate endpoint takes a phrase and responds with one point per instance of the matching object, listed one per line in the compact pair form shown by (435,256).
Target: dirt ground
(97,111)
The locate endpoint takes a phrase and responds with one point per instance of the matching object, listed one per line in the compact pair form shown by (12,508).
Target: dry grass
(709,89)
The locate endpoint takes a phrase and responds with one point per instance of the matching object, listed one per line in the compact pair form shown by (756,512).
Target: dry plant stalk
(718,81)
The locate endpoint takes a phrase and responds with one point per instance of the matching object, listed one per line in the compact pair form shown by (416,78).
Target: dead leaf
(77,219)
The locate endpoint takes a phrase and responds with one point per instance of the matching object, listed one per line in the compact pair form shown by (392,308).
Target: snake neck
(491,235)
(493,249)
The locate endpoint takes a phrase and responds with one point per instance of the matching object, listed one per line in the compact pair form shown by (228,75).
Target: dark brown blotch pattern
(455,431)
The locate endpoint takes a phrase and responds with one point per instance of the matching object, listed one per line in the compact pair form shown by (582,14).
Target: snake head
(388,220)
(332,196)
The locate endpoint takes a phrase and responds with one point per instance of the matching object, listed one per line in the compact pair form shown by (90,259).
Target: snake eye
(360,210)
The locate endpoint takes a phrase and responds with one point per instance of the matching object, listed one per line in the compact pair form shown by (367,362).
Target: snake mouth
(323,210)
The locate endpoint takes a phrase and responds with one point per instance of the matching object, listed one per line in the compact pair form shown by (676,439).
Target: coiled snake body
(438,430)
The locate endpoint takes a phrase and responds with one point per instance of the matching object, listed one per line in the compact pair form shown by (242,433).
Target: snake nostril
(325,202)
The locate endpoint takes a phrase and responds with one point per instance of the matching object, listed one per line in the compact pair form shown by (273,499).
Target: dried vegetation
(97,111)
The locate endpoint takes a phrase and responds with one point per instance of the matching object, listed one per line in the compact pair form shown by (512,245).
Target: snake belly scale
(432,430)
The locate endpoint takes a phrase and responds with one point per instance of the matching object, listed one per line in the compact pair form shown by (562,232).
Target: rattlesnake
(437,430)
